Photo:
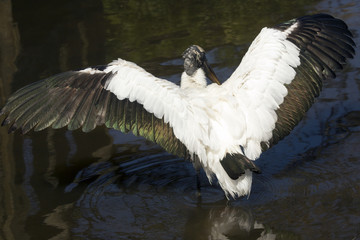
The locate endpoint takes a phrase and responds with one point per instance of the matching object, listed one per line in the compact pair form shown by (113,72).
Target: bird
(222,127)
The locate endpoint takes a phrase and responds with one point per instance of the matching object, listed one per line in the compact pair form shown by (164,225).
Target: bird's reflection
(125,197)
(216,222)
(225,223)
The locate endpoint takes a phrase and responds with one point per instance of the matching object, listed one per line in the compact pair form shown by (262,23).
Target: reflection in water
(225,223)
(10,196)
(134,190)
(121,216)
(29,171)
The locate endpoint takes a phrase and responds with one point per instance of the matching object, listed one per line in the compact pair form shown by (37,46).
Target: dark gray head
(194,59)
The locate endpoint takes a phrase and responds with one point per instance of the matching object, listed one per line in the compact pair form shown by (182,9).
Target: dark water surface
(57,184)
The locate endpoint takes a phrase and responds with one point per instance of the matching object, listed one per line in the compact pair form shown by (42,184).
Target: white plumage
(259,86)
(223,127)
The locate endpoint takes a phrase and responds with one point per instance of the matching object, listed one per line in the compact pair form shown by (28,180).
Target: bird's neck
(197,80)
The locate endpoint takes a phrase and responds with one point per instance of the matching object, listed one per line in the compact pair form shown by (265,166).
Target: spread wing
(121,95)
(282,73)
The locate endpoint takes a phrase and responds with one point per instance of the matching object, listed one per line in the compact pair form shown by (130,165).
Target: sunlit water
(58,184)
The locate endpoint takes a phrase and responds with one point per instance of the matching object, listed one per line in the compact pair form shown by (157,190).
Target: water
(57,184)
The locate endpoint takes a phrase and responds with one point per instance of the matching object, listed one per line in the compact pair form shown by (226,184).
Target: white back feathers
(222,127)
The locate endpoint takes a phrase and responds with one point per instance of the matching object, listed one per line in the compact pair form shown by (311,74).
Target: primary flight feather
(222,127)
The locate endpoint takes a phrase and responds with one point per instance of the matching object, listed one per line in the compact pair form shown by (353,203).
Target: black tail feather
(236,164)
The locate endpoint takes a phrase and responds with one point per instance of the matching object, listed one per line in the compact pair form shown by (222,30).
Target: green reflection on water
(141,30)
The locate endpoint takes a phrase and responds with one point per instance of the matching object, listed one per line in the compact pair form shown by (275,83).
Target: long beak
(210,73)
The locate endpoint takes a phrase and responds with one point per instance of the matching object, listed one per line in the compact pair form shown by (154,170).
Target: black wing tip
(5,122)
(316,34)
(7,119)
(323,18)
(329,20)
(319,17)
(12,128)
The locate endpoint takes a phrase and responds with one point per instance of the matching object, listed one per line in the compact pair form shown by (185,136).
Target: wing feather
(81,99)
(298,54)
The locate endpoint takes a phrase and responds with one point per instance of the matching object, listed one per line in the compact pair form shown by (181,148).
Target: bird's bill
(210,73)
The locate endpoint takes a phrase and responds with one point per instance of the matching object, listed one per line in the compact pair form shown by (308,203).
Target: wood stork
(221,127)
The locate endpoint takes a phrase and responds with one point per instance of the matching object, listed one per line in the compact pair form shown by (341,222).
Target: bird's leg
(198,183)
(198,187)
(197,167)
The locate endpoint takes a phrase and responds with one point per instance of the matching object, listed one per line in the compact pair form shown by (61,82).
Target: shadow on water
(58,184)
